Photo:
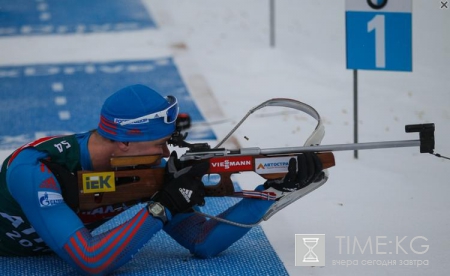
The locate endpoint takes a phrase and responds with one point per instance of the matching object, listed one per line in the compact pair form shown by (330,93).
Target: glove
(183,188)
(310,170)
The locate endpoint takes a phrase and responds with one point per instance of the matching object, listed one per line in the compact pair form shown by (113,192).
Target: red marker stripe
(80,257)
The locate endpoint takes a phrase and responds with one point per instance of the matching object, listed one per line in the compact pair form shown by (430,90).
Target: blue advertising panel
(51,99)
(37,17)
(379,34)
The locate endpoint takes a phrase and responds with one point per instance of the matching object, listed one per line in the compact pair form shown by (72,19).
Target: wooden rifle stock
(134,181)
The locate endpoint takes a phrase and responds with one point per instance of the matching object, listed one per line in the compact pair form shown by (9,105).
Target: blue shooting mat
(52,99)
(43,17)
(251,255)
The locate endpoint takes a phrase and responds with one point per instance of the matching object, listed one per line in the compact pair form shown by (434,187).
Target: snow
(223,48)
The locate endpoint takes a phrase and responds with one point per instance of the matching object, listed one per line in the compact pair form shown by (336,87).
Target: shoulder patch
(48,199)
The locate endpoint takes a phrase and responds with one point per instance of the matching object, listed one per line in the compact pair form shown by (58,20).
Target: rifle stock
(135,181)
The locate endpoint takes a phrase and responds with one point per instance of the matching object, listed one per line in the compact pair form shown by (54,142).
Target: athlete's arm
(63,231)
(207,238)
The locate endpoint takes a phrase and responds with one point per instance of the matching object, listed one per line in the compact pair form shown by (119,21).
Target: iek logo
(99,182)
(95,182)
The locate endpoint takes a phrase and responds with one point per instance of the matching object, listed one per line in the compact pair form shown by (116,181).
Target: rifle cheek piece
(426,134)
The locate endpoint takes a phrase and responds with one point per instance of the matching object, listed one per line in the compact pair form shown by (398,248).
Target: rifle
(133,179)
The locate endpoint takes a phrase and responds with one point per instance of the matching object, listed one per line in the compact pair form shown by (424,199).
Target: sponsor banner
(99,182)
(272,165)
(48,199)
(231,164)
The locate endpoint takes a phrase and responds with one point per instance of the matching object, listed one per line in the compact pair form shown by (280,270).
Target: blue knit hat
(137,113)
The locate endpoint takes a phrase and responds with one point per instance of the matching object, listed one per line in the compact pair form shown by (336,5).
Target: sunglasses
(169,114)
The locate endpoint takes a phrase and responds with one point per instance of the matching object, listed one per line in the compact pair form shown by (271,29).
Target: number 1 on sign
(377,25)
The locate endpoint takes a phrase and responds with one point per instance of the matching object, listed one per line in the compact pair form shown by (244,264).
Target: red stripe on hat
(134,131)
(107,126)
(108,123)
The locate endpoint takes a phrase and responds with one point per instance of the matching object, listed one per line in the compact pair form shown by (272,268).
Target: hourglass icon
(310,256)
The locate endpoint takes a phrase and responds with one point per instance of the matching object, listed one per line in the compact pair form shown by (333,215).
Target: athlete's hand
(309,170)
(183,188)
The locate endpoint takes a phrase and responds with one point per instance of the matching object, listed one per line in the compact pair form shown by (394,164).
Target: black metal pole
(355,110)
(272,23)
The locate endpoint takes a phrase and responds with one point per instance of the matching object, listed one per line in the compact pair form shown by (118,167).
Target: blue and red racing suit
(36,219)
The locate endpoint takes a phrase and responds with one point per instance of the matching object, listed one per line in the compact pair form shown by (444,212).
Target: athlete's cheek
(166,151)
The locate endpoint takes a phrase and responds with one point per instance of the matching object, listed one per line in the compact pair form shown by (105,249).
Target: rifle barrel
(343,147)
(291,150)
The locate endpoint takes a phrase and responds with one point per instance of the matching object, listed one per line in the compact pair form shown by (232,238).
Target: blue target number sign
(379,34)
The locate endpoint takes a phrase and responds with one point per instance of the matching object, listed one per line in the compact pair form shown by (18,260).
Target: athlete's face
(157,147)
